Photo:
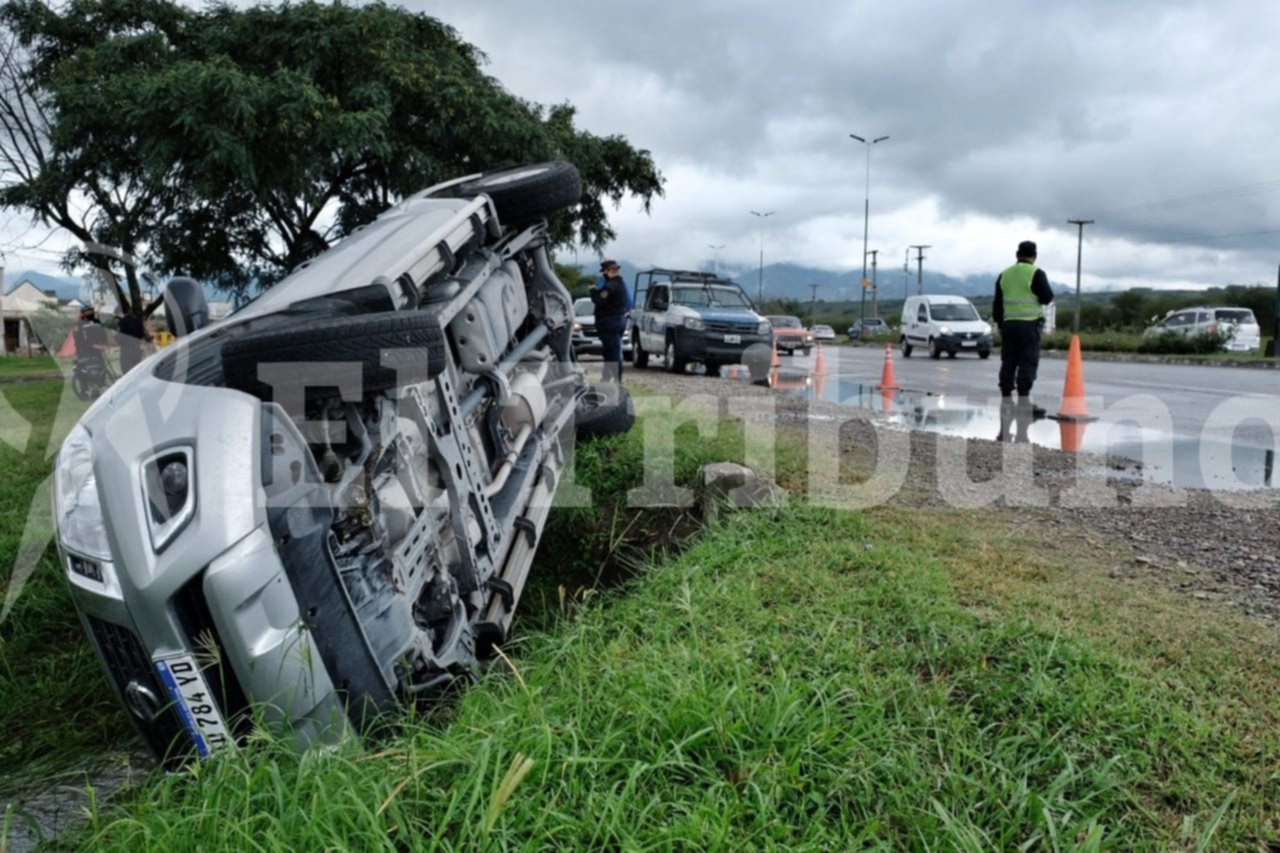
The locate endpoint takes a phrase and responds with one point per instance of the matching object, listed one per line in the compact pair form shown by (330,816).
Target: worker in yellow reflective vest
(1022,291)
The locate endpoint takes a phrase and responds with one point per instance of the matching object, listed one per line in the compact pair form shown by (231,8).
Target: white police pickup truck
(688,317)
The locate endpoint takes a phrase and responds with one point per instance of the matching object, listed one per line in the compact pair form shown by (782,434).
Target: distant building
(19,305)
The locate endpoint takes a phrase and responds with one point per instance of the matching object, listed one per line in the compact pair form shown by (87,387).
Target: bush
(1173,343)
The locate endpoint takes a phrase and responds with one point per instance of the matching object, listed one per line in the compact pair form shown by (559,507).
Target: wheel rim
(670,355)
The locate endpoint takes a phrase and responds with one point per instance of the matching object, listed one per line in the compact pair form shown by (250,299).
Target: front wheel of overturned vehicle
(526,193)
(604,410)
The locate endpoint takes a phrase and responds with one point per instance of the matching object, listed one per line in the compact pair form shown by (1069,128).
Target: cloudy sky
(1006,118)
(1158,119)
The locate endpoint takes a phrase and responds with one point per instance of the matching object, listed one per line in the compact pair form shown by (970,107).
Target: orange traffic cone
(820,363)
(886,400)
(887,382)
(1071,434)
(775,362)
(819,386)
(1074,406)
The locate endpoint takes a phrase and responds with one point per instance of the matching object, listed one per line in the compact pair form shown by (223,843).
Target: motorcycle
(90,375)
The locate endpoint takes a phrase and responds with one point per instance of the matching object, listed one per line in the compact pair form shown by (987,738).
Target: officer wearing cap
(611,304)
(1022,291)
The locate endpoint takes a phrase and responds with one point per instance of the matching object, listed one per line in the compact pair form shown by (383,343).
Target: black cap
(1026,249)
(604,265)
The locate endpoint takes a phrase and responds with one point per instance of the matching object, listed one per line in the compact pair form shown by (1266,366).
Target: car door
(920,325)
(655,318)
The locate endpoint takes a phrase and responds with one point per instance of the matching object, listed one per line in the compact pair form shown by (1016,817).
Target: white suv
(1240,322)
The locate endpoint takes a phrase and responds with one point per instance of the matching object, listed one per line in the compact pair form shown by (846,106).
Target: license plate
(968,343)
(195,704)
(733,339)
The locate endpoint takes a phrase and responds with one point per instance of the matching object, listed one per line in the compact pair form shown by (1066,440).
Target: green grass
(797,678)
(21,365)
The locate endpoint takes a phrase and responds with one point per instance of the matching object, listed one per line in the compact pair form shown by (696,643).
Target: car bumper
(588,345)
(703,346)
(793,344)
(961,342)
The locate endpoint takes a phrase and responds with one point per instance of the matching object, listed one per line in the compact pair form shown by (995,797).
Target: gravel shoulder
(1219,546)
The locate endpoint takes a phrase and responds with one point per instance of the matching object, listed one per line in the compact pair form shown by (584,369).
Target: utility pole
(1079,223)
(813,311)
(920,268)
(1273,348)
(715,257)
(4,339)
(906,274)
(875,293)
(760,284)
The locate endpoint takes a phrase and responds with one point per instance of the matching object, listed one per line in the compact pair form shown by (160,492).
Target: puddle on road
(1165,458)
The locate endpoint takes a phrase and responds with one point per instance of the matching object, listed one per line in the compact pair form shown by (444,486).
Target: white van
(947,324)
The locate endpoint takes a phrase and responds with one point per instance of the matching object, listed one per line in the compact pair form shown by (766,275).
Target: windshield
(1235,315)
(709,296)
(785,322)
(583,308)
(953,311)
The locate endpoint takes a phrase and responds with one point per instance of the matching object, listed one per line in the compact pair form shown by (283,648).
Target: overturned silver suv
(326,506)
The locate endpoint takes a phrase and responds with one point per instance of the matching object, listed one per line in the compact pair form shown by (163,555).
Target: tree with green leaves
(251,139)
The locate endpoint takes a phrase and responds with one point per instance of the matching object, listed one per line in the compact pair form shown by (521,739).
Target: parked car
(696,317)
(947,324)
(867,326)
(1245,333)
(790,335)
(823,333)
(585,339)
(327,505)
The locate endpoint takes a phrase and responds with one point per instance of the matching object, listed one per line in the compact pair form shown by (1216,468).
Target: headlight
(808,338)
(945,330)
(77,509)
(764,328)
(986,328)
(577,327)
(168,492)
(694,323)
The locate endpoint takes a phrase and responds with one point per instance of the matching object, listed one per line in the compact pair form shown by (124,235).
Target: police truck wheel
(639,357)
(906,348)
(675,364)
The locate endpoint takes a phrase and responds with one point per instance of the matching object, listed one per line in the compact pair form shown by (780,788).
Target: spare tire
(604,410)
(393,348)
(526,193)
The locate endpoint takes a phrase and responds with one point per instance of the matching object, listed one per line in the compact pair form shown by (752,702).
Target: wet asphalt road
(1224,403)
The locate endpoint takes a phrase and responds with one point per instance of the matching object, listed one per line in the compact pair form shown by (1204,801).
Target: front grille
(589,330)
(192,612)
(127,661)
(730,327)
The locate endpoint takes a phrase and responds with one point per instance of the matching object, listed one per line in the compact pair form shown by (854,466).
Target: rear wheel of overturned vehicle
(386,350)
(602,411)
(639,357)
(527,193)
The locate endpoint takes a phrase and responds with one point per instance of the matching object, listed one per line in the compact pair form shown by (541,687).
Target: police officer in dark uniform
(1022,291)
(610,299)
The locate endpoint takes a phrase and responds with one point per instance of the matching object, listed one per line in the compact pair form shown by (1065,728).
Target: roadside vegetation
(798,677)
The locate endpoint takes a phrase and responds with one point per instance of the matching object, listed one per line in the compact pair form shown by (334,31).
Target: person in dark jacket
(1022,291)
(611,301)
(131,333)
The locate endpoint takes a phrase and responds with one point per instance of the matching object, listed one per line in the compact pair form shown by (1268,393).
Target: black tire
(639,357)
(526,193)
(82,389)
(713,368)
(806,350)
(410,343)
(675,362)
(906,348)
(935,351)
(604,410)
(951,353)
(984,353)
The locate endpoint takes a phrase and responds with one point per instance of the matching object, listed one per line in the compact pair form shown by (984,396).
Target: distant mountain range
(64,286)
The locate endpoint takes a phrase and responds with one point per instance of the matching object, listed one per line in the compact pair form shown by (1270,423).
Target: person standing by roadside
(1022,291)
(131,333)
(611,303)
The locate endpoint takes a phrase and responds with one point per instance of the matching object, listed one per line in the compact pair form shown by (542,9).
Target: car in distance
(585,339)
(1242,329)
(867,327)
(941,324)
(790,334)
(823,333)
(324,508)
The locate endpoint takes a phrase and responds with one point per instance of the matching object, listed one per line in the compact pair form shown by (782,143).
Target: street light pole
(813,309)
(760,284)
(1080,224)
(875,291)
(866,219)
(715,257)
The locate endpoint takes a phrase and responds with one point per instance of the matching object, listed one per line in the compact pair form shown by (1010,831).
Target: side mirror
(185,306)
